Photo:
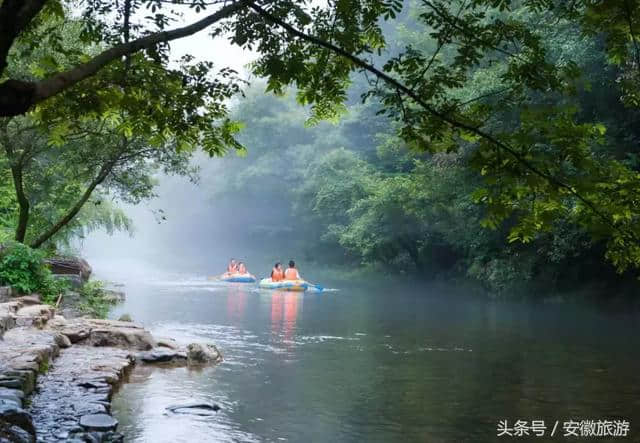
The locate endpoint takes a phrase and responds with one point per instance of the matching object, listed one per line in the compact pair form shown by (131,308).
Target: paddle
(315,287)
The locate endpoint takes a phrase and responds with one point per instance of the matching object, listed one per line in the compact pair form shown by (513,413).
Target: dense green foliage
(22,268)
(496,138)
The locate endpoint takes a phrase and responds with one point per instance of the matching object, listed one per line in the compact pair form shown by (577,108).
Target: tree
(545,168)
(63,151)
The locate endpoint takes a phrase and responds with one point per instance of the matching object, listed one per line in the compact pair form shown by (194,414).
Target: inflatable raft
(288,285)
(238,278)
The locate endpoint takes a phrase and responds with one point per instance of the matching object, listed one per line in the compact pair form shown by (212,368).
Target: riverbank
(58,375)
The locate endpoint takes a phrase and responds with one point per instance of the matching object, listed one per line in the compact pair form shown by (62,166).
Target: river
(376,363)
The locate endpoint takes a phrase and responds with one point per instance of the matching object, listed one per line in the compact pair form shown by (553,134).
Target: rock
(62,435)
(166,343)
(11,399)
(125,317)
(10,403)
(6,292)
(161,355)
(75,335)
(121,337)
(10,382)
(69,266)
(16,434)
(194,408)
(27,378)
(34,315)
(18,417)
(98,422)
(62,341)
(203,353)
(12,393)
(28,300)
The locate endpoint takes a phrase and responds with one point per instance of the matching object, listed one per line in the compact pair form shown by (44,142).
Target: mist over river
(371,362)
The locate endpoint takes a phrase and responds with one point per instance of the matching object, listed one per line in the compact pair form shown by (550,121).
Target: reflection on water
(375,365)
(284,312)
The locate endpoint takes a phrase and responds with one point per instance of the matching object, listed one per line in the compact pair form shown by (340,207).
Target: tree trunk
(17,167)
(23,203)
(73,211)
(17,96)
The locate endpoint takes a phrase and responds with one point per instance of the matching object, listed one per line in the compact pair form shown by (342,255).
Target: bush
(22,268)
(93,300)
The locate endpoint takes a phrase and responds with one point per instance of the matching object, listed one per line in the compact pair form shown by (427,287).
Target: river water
(376,363)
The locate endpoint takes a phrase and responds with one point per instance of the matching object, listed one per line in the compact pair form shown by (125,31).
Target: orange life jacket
(277,275)
(291,274)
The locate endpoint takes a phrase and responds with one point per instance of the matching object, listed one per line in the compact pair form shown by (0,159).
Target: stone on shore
(15,416)
(70,266)
(203,353)
(113,333)
(72,396)
(160,355)
(98,422)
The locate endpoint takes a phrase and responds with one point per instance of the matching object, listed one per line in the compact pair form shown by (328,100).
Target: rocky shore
(57,375)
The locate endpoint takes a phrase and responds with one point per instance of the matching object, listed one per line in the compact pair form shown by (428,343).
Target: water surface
(375,364)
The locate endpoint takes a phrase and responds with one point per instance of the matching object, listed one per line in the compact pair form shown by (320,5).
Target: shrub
(93,299)
(22,268)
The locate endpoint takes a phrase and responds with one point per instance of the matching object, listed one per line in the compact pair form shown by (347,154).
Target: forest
(486,140)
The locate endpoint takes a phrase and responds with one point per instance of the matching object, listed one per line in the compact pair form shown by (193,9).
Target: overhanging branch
(398,86)
(16,97)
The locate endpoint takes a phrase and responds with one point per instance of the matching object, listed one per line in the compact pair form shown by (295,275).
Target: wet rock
(203,353)
(26,377)
(166,343)
(194,408)
(12,398)
(10,403)
(120,335)
(62,341)
(62,435)
(9,393)
(161,356)
(98,422)
(14,434)
(75,335)
(14,416)
(10,382)
(93,384)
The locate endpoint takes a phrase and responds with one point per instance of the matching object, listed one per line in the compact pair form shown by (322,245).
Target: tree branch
(392,82)
(15,16)
(73,211)
(16,97)
(16,168)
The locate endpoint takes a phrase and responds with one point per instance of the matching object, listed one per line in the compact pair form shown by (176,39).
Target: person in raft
(242,269)
(232,268)
(277,273)
(292,273)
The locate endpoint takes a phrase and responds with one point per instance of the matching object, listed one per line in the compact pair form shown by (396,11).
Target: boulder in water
(203,353)
(194,408)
